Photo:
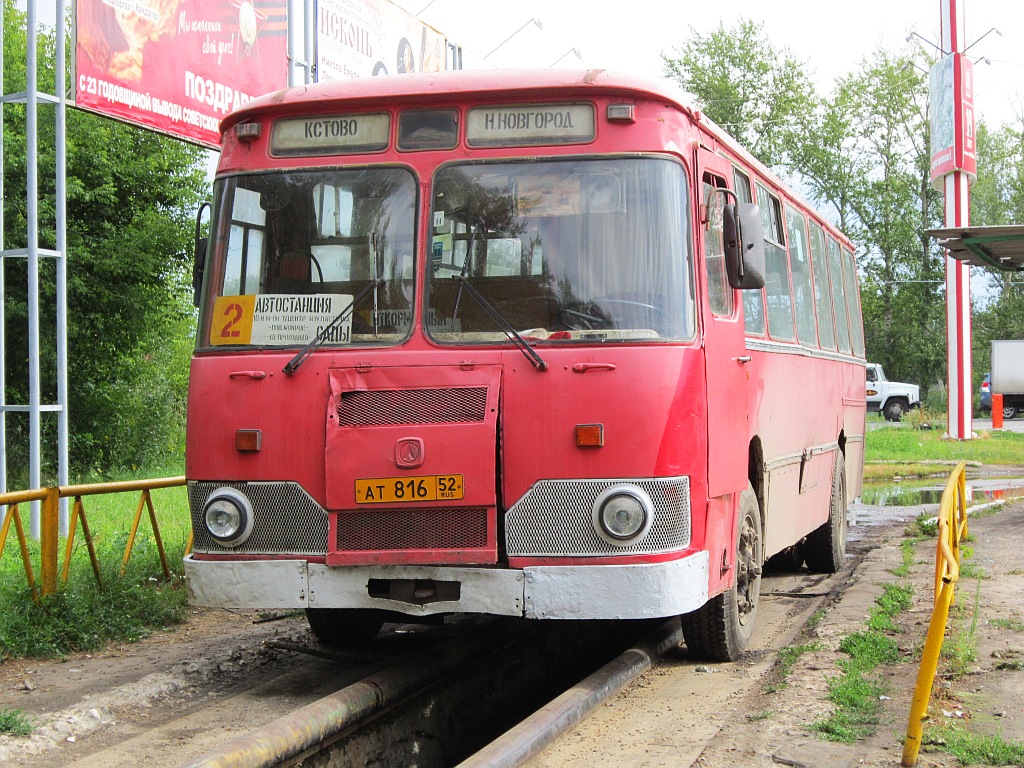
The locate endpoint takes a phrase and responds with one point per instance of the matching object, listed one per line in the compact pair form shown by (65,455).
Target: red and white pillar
(954,169)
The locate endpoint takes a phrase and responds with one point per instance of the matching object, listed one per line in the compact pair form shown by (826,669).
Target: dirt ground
(678,714)
(722,716)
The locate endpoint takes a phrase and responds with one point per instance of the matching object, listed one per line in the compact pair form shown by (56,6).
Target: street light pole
(537,22)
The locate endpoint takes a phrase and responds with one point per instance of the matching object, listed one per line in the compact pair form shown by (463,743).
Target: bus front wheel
(825,547)
(721,629)
(340,627)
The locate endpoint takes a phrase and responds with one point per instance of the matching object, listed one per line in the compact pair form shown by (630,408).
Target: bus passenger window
(780,302)
(800,261)
(245,245)
(853,303)
(835,261)
(822,292)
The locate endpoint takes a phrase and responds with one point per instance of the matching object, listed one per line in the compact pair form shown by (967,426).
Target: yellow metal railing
(49,536)
(952,530)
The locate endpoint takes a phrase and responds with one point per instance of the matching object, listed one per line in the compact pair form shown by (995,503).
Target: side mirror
(744,245)
(199,262)
(198,268)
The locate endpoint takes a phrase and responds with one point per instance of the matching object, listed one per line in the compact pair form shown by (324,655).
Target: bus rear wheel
(721,629)
(340,627)
(825,547)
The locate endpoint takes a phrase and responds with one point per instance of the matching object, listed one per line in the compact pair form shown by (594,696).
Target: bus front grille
(286,520)
(555,518)
(398,530)
(362,408)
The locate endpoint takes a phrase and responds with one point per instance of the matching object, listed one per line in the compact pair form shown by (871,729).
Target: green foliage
(131,197)
(972,749)
(857,701)
(753,90)
(895,599)
(14,722)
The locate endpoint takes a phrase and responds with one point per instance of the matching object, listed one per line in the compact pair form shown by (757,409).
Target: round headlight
(228,517)
(623,514)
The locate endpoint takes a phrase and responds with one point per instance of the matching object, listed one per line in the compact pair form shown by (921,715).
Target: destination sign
(530,125)
(279,319)
(331,135)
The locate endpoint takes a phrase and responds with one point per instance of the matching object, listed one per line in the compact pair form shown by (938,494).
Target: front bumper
(647,590)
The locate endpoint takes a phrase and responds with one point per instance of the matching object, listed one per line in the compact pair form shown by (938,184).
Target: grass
(914,446)
(858,697)
(971,749)
(960,649)
(1015,624)
(12,721)
(80,616)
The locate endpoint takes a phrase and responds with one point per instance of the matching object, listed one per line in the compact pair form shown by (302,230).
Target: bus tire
(825,547)
(341,627)
(721,629)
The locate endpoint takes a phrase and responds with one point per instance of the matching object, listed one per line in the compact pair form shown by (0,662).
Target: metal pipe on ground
(534,733)
(324,721)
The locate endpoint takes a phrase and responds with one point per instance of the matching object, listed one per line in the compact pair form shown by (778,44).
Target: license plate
(392,490)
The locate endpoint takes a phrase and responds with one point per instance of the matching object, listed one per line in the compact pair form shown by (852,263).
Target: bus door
(727,362)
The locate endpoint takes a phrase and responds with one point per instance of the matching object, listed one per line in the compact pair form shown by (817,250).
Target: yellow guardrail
(49,536)
(952,530)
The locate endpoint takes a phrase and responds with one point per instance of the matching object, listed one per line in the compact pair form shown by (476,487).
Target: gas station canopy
(996,247)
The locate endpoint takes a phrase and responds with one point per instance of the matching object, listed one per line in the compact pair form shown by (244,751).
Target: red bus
(539,344)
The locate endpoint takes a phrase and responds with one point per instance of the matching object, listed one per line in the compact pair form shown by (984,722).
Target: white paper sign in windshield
(279,319)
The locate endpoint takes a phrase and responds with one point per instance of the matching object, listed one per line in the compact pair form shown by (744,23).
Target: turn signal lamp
(246,132)
(248,440)
(589,435)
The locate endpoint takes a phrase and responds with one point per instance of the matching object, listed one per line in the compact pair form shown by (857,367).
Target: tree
(131,196)
(753,90)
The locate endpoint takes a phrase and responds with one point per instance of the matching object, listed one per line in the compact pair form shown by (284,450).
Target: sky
(829,42)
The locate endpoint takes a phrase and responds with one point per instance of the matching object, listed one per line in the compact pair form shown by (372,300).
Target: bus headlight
(228,517)
(622,514)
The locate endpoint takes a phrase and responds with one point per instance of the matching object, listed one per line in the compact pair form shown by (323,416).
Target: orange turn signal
(250,440)
(589,435)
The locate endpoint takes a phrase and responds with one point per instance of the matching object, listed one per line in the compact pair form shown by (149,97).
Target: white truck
(892,398)
(1007,376)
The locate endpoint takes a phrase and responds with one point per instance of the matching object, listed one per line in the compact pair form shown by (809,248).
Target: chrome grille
(412,406)
(555,518)
(387,530)
(286,520)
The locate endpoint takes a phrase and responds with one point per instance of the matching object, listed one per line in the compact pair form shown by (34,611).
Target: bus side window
(822,292)
(720,295)
(835,261)
(780,301)
(800,261)
(853,304)
(753,301)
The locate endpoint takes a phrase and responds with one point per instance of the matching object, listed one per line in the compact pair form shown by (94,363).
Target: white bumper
(542,592)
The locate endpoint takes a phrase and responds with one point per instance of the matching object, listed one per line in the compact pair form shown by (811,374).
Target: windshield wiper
(514,336)
(341,317)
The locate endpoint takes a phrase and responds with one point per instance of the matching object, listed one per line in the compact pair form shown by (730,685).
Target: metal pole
(32,188)
(958,274)
(312,75)
(60,152)
(3,293)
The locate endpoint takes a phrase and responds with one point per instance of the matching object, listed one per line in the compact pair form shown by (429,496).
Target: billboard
(361,38)
(951,96)
(178,66)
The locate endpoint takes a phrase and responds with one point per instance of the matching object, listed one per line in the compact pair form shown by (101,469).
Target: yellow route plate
(392,490)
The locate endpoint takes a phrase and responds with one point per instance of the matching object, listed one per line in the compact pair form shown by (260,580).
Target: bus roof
(426,89)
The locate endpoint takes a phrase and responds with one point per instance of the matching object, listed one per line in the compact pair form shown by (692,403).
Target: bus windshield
(564,250)
(291,250)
